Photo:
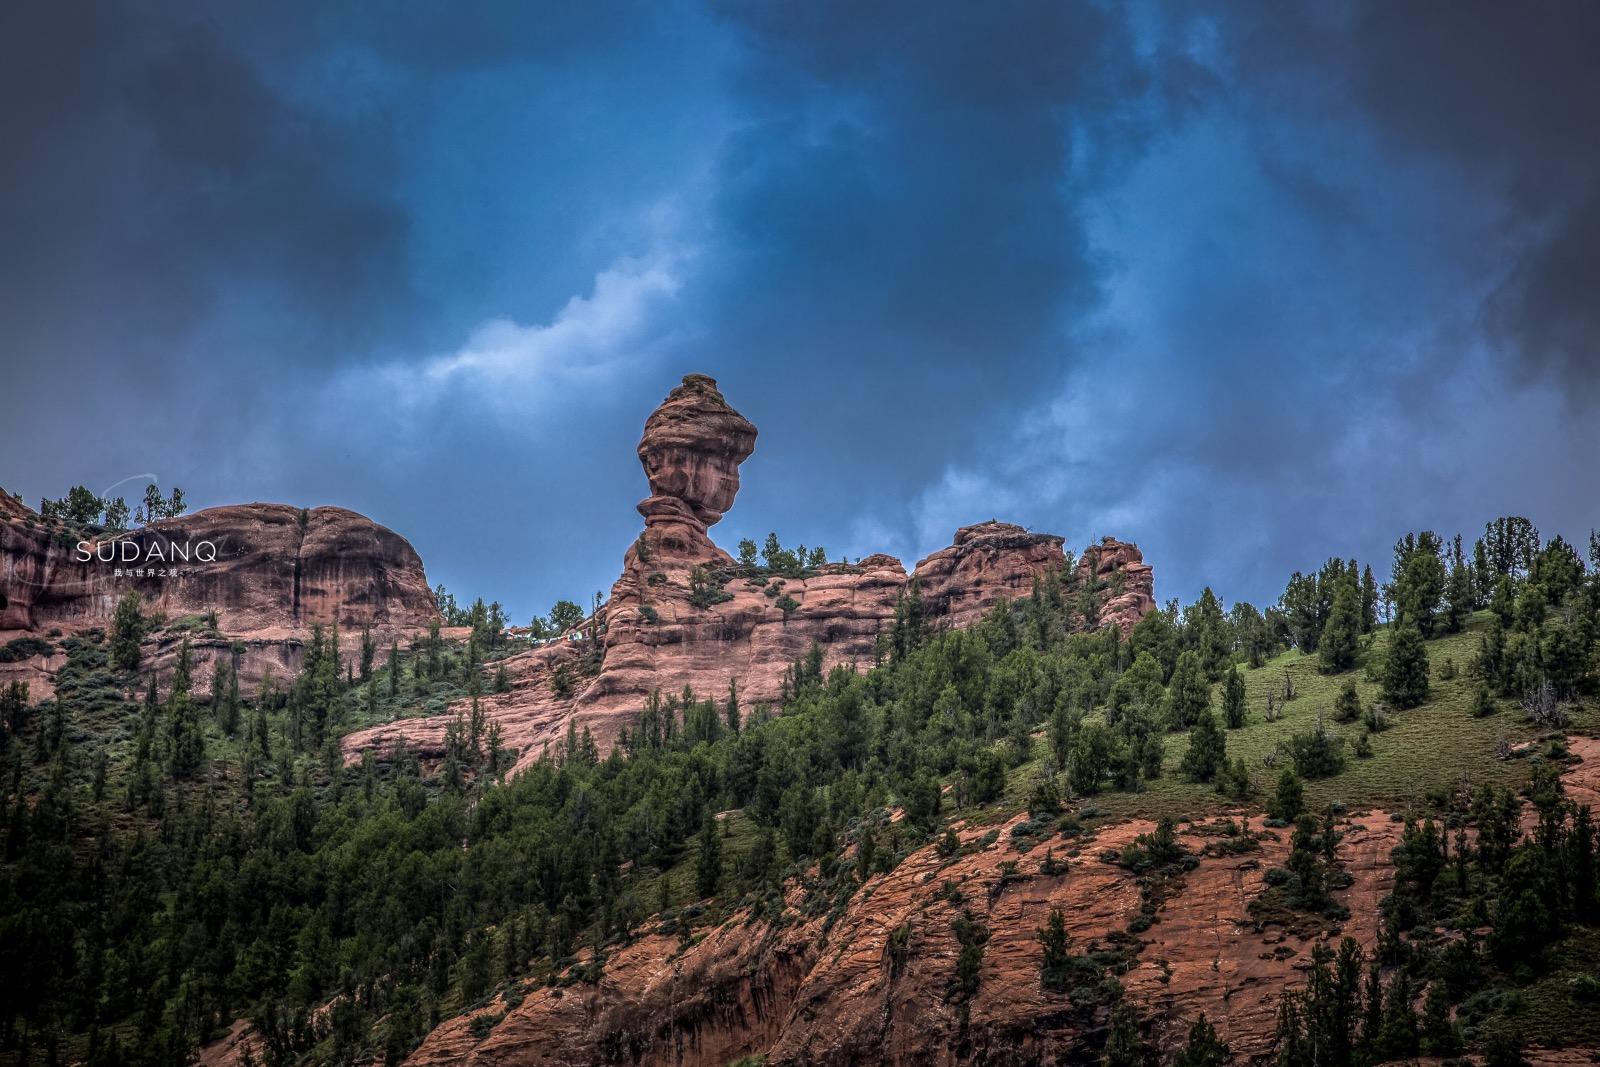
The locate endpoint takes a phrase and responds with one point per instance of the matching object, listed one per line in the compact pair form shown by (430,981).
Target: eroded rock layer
(872,986)
(268,572)
(682,613)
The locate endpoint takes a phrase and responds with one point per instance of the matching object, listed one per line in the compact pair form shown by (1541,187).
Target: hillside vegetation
(173,864)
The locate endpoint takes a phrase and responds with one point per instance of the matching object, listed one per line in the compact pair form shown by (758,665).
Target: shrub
(1289,800)
(988,777)
(1584,987)
(705,589)
(24,648)
(1044,801)
(1317,752)
(1154,849)
(1234,781)
(973,936)
(1375,720)
(1347,707)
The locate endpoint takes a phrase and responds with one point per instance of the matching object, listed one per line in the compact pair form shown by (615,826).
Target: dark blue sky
(1249,284)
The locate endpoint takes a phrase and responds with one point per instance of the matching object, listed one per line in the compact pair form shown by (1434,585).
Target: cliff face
(683,613)
(1125,581)
(872,987)
(268,571)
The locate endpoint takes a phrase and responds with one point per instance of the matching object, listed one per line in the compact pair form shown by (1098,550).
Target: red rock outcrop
(986,563)
(692,447)
(12,507)
(871,987)
(1129,583)
(684,614)
(267,571)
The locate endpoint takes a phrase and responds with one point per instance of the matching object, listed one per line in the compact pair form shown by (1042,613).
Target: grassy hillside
(1429,748)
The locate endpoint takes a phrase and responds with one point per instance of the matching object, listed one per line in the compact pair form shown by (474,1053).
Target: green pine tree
(1208,748)
(1204,1048)
(1054,964)
(708,864)
(127,627)
(1405,671)
(733,714)
(1189,693)
(1342,631)
(185,740)
(1233,709)
(1289,799)
(1125,1045)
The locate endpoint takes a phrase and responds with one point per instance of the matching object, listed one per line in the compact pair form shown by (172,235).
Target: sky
(1247,284)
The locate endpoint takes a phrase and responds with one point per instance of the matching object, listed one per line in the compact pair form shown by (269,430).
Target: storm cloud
(1248,284)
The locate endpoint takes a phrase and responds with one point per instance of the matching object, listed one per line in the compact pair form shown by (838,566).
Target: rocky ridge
(871,985)
(683,613)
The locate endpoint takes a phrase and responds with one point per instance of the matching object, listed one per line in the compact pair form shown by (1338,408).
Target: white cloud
(593,337)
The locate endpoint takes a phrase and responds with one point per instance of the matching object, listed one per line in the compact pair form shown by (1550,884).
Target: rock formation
(840,991)
(684,614)
(691,450)
(1118,568)
(869,984)
(267,571)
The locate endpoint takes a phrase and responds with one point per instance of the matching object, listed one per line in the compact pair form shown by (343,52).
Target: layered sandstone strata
(692,447)
(871,985)
(1124,581)
(682,613)
(267,572)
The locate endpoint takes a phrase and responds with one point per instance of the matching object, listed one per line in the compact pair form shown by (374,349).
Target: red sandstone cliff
(268,571)
(871,986)
(805,991)
(682,613)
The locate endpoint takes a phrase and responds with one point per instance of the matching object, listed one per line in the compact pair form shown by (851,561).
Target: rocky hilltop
(269,572)
(683,613)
